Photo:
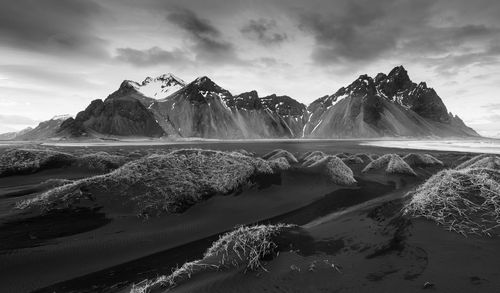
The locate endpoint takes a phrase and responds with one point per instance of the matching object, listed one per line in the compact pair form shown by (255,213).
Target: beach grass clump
(310,158)
(422,160)
(392,164)
(101,161)
(279,153)
(279,164)
(465,201)
(365,157)
(161,183)
(480,162)
(353,160)
(336,170)
(25,161)
(246,246)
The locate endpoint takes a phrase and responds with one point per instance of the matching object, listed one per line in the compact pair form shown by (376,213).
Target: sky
(58,55)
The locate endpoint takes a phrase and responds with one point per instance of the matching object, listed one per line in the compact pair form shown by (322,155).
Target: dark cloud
(53,26)
(30,73)
(264,31)
(151,57)
(208,43)
(361,30)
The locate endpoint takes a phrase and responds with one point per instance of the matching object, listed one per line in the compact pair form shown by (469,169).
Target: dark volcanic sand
(107,250)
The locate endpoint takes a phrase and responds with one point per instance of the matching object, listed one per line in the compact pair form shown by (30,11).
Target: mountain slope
(389,105)
(45,129)
(123,113)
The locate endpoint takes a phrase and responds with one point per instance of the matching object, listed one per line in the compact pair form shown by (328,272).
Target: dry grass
(422,160)
(335,169)
(465,201)
(365,157)
(279,164)
(101,161)
(482,161)
(279,153)
(162,183)
(392,164)
(24,161)
(353,160)
(244,246)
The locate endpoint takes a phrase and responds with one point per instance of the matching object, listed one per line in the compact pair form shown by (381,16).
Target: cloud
(16,120)
(152,56)
(208,44)
(24,75)
(264,31)
(52,26)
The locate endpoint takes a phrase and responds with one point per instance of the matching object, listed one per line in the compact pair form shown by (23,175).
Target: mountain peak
(167,78)
(400,76)
(61,117)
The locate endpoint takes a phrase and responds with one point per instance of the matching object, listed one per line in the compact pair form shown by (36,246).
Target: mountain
(387,106)
(45,129)
(159,87)
(272,116)
(123,113)
(14,134)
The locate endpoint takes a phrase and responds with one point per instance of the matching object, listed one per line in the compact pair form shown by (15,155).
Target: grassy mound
(365,157)
(334,168)
(481,161)
(279,164)
(392,164)
(342,155)
(101,161)
(422,160)
(353,160)
(245,246)
(465,201)
(310,158)
(160,183)
(25,161)
(279,153)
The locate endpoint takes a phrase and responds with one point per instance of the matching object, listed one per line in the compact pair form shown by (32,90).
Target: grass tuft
(392,164)
(279,164)
(333,167)
(484,161)
(422,160)
(25,161)
(245,246)
(279,153)
(101,161)
(464,201)
(353,160)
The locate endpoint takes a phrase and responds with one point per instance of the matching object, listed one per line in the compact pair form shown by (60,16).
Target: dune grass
(336,170)
(161,183)
(246,246)
(392,164)
(279,164)
(422,160)
(353,160)
(482,161)
(25,161)
(464,201)
(100,161)
(279,153)
(365,157)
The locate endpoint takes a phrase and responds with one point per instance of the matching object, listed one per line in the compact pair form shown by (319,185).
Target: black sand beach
(359,229)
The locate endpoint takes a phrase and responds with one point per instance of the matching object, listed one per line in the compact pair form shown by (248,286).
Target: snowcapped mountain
(159,87)
(389,105)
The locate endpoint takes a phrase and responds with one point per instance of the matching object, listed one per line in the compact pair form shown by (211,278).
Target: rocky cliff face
(387,105)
